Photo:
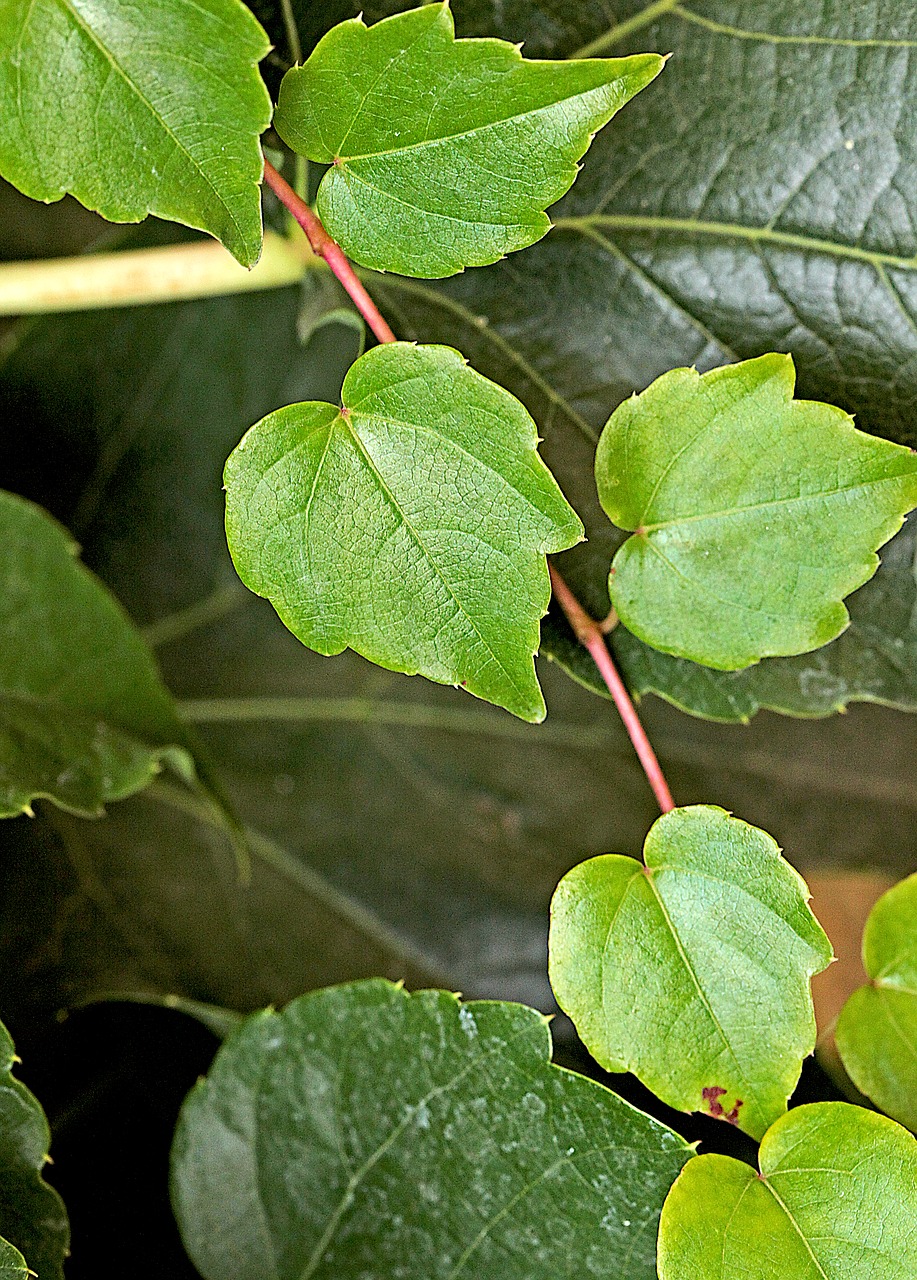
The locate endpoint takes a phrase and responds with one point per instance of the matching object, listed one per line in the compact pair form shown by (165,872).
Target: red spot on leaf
(712,1095)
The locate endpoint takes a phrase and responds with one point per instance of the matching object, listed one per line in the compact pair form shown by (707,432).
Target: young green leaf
(365,1131)
(138,108)
(693,970)
(84,717)
(444,153)
(877,1030)
(836,1199)
(753,515)
(33,1220)
(410,525)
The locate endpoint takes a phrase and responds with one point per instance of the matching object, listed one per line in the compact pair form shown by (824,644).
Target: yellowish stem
(138,276)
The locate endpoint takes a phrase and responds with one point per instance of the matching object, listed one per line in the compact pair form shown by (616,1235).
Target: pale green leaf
(877,1030)
(753,514)
(444,154)
(32,1216)
(693,970)
(836,1199)
(367,1132)
(698,232)
(84,717)
(138,108)
(410,525)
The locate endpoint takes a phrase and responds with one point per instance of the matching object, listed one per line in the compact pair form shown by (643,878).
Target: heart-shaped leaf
(365,1131)
(84,717)
(699,233)
(693,970)
(753,514)
(836,1199)
(876,1033)
(410,525)
(444,154)
(137,109)
(33,1222)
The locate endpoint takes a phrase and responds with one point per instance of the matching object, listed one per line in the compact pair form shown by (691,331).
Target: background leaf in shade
(365,1130)
(876,1033)
(410,525)
(692,968)
(697,234)
(836,1196)
(753,514)
(143,126)
(397,827)
(84,716)
(32,1216)
(482,142)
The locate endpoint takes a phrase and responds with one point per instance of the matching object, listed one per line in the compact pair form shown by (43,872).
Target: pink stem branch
(330,250)
(589,634)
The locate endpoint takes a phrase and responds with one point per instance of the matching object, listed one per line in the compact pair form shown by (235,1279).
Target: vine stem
(589,633)
(323,245)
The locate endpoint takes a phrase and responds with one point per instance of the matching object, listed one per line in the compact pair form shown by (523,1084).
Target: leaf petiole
(323,245)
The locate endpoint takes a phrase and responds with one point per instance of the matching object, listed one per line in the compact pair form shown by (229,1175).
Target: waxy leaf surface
(365,1131)
(877,1030)
(444,154)
(410,525)
(84,717)
(138,108)
(32,1217)
(699,233)
(13,1265)
(693,970)
(836,1199)
(753,514)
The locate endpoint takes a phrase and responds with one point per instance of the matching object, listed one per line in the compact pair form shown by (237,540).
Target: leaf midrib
(431,560)
(730,512)
(476,129)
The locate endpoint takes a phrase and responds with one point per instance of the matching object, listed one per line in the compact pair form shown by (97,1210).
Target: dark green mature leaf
(84,718)
(444,154)
(836,1199)
(411,525)
(876,1032)
(13,1265)
(692,970)
(753,514)
(32,1216)
(365,1131)
(675,264)
(398,827)
(137,109)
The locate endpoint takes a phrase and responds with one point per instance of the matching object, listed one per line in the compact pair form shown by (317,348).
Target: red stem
(330,250)
(589,634)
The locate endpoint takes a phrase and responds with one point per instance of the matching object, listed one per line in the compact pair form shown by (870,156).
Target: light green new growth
(753,515)
(877,1031)
(692,971)
(411,525)
(444,153)
(138,108)
(84,717)
(836,1199)
(367,1132)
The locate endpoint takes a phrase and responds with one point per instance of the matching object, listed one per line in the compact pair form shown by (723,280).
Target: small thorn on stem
(591,637)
